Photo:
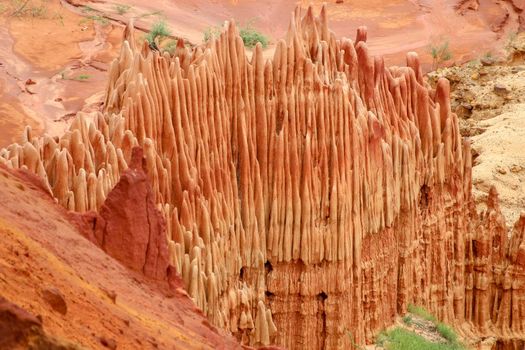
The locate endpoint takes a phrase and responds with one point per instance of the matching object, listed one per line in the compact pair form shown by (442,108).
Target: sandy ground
(490,100)
(395,26)
(64,58)
(501,160)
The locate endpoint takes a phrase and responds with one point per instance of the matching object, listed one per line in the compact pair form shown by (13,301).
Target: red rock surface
(306,196)
(130,228)
(471,27)
(42,249)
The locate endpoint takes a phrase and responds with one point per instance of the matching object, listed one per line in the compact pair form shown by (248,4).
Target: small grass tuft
(421,312)
(447,332)
(211,33)
(122,9)
(249,35)
(440,53)
(81,77)
(407,319)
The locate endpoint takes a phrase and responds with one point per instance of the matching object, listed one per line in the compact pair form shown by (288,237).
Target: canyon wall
(307,199)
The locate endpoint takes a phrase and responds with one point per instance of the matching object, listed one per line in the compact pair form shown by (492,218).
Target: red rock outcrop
(107,304)
(305,197)
(498,13)
(130,228)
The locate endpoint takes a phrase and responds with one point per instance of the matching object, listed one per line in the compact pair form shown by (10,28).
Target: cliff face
(306,198)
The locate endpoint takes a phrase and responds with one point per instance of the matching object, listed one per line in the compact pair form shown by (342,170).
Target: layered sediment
(306,199)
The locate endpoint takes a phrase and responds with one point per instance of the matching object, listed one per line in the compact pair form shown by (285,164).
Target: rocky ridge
(304,197)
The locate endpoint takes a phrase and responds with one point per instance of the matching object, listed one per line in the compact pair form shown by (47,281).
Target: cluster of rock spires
(305,200)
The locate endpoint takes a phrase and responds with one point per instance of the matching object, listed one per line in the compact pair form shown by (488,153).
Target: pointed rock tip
(137,159)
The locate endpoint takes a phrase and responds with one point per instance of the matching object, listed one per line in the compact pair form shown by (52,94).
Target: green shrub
(158,32)
(447,332)
(407,319)
(421,312)
(251,37)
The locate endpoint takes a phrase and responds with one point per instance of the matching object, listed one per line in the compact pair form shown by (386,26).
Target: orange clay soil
(65,55)
(472,28)
(42,250)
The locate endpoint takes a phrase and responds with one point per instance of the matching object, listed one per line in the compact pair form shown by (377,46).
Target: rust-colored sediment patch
(13,119)
(65,54)
(51,41)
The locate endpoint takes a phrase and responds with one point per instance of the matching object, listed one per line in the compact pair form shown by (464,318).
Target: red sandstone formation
(307,196)
(130,228)
(42,253)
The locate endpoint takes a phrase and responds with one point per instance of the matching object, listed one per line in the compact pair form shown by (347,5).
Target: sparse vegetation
(29,9)
(447,332)
(511,38)
(421,312)
(170,46)
(473,63)
(403,339)
(212,32)
(26,8)
(420,330)
(158,32)
(407,319)
(92,14)
(99,19)
(122,9)
(440,53)
(81,77)
(249,35)
(158,37)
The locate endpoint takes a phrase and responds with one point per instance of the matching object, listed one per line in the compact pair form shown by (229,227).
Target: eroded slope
(42,253)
